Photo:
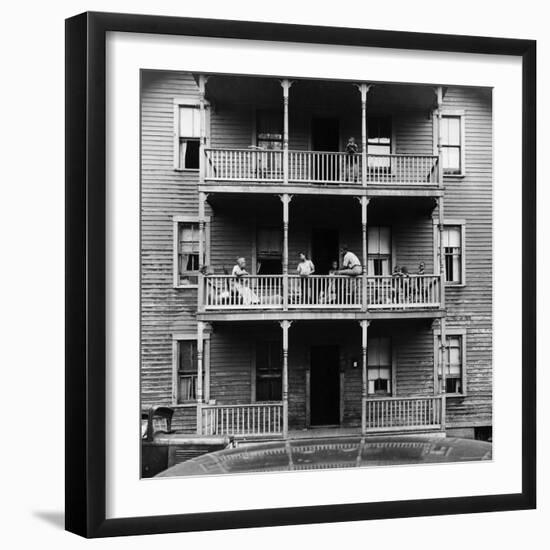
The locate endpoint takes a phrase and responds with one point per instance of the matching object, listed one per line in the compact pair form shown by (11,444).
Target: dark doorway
(325,386)
(324,249)
(325,136)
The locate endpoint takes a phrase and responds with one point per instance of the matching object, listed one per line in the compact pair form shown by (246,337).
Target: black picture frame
(86,263)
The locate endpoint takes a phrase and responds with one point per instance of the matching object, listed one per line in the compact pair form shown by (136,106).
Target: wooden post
(441,227)
(202,112)
(200,359)
(364,203)
(286,84)
(285,199)
(439,96)
(364,385)
(202,251)
(285,325)
(443,389)
(363,89)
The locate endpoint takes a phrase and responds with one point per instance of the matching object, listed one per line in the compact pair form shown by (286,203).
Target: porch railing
(321,292)
(249,292)
(388,414)
(244,165)
(319,167)
(243,420)
(394,292)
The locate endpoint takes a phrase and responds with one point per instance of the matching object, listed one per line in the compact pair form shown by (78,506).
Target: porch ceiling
(321,95)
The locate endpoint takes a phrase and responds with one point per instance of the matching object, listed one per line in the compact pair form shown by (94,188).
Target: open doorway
(325,386)
(324,249)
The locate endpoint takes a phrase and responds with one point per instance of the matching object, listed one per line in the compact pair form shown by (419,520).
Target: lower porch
(270,380)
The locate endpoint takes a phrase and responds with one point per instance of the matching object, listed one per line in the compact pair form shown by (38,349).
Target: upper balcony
(257,166)
(267,135)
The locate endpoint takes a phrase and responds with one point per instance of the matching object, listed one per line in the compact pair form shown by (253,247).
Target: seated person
(351,264)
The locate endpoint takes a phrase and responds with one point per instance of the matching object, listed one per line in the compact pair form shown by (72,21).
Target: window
(379,141)
(379,250)
(188,134)
(453,236)
(379,366)
(269,251)
(454,378)
(451,144)
(268,371)
(187,371)
(269,130)
(188,261)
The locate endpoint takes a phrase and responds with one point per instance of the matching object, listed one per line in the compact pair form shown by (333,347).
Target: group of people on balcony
(304,289)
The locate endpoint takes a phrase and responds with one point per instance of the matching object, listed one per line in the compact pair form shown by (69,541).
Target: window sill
(454,176)
(193,170)
(455,395)
(454,285)
(179,287)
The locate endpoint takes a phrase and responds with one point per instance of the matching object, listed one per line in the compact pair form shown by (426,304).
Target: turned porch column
(286,84)
(200,368)
(363,90)
(202,251)
(285,199)
(364,381)
(285,325)
(443,333)
(364,204)
(439,100)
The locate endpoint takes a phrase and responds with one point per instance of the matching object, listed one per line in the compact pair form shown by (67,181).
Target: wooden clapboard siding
(232,126)
(232,352)
(412,344)
(413,243)
(413,133)
(165,193)
(470,307)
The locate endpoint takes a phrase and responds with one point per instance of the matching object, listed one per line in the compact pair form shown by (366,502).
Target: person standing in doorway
(305,269)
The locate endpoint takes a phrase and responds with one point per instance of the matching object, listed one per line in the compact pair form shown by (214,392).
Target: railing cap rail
(244,406)
(295,151)
(408,398)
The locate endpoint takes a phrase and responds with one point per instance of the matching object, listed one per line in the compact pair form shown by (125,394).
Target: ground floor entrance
(324,386)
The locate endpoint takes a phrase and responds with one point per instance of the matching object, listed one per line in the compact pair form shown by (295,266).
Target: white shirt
(351,260)
(238,271)
(306,267)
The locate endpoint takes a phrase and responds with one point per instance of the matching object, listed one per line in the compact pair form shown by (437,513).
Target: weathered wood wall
(470,307)
(166,193)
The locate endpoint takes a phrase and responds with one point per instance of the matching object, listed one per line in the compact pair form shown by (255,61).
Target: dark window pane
(192,154)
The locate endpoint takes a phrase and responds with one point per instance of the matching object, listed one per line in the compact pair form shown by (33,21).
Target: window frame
(461,114)
(451,222)
(176,220)
(182,337)
(376,256)
(462,333)
(195,104)
(254,370)
(393,374)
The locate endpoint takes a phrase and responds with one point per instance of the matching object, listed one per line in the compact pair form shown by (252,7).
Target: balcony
(257,166)
(320,292)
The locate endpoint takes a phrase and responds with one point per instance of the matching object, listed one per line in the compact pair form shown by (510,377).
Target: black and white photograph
(316,279)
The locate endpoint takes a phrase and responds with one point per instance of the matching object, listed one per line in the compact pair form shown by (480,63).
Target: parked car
(335,452)
(162,447)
